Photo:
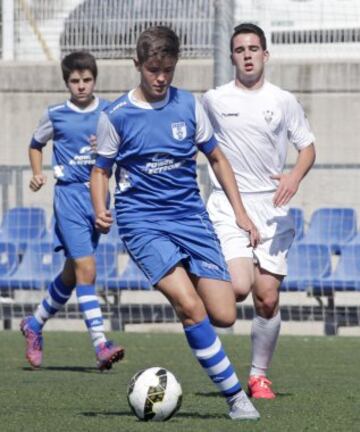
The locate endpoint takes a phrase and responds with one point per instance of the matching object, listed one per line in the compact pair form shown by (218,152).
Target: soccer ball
(154,394)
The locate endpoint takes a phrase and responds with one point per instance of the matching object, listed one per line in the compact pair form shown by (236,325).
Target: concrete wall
(329,92)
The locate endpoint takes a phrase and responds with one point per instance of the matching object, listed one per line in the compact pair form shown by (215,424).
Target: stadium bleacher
(346,276)
(38,267)
(299,222)
(331,226)
(22,225)
(9,259)
(331,231)
(28,262)
(306,263)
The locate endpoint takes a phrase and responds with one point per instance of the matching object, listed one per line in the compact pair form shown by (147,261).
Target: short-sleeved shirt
(154,147)
(253,128)
(70,129)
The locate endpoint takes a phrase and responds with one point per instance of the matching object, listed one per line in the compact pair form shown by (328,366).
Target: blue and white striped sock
(208,349)
(58,294)
(90,308)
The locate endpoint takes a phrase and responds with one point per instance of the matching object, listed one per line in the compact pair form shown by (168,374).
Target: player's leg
(242,272)
(76,232)
(203,341)
(218,298)
(106,351)
(265,331)
(58,293)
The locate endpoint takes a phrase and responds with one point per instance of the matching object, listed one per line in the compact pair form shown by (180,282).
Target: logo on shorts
(179,130)
(210,266)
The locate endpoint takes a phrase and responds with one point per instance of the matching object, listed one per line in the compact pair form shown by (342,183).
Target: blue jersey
(70,129)
(154,147)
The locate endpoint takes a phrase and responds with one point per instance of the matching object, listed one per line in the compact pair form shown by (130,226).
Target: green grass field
(317,380)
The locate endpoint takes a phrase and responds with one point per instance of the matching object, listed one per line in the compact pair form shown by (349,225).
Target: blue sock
(58,294)
(207,348)
(90,308)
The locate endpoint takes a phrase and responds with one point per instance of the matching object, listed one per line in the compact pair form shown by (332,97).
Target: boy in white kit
(253,122)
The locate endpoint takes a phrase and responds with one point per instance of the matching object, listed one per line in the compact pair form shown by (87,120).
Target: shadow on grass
(180,414)
(209,394)
(217,394)
(82,369)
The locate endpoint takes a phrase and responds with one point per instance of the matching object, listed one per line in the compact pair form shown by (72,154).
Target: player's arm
(99,187)
(299,133)
(42,135)
(38,179)
(225,176)
(289,182)
(108,142)
(223,172)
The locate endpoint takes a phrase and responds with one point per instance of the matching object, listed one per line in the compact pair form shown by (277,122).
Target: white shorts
(276,228)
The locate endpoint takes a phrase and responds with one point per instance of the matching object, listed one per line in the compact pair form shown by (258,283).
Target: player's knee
(241,291)
(190,309)
(269,306)
(85,272)
(225,319)
(241,297)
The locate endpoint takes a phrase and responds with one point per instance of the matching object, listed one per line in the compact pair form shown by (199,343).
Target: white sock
(264,335)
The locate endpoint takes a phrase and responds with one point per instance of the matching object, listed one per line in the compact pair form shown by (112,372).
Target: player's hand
(247,225)
(37,182)
(93,143)
(103,221)
(287,188)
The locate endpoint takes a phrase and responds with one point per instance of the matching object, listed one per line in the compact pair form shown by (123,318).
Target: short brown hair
(158,42)
(78,60)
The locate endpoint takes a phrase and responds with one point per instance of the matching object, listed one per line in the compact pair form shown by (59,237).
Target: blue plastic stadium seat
(346,276)
(39,266)
(131,278)
(333,227)
(355,240)
(9,260)
(106,261)
(306,262)
(298,216)
(22,225)
(50,230)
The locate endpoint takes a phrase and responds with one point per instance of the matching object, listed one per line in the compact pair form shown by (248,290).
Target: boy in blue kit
(72,127)
(152,134)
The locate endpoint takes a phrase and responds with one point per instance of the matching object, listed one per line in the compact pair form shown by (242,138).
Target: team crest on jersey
(268,115)
(179,130)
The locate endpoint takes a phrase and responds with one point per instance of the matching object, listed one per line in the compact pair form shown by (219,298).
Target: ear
(266,56)
(232,59)
(136,64)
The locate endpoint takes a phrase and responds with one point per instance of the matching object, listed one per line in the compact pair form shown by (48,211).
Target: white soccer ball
(154,394)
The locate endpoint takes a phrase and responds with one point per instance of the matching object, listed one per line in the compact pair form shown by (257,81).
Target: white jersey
(253,128)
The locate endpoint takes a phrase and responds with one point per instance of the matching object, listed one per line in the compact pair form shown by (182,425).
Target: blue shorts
(74,220)
(157,246)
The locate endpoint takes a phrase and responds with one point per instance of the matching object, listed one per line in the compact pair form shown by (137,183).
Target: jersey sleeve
(108,142)
(204,138)
(43,133)
(298,128)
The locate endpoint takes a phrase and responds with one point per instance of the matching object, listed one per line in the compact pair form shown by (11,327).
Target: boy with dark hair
(254,121)
(72,127)
(152,134)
